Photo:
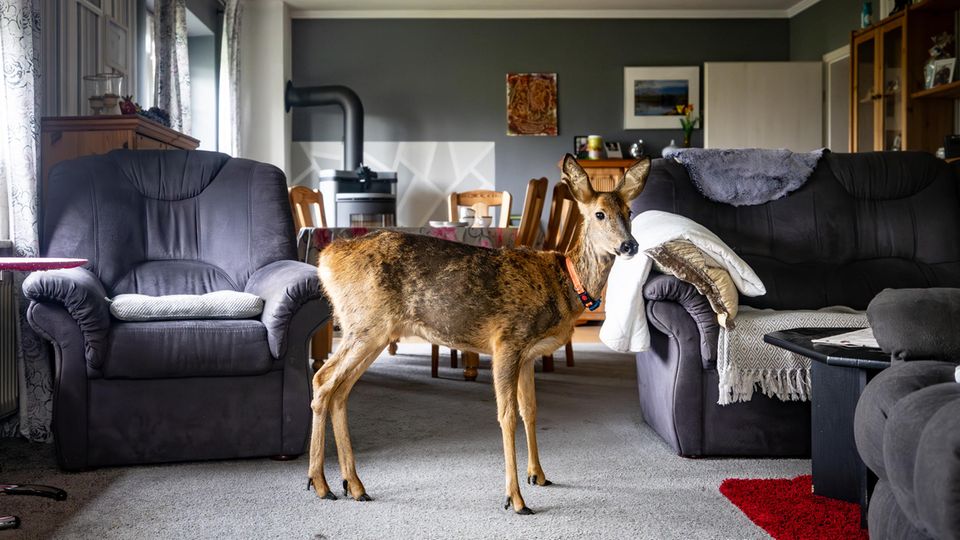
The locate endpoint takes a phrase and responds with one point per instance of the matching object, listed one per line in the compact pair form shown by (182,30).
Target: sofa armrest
(80,292)
(284,286)
(917,324)
(664,288)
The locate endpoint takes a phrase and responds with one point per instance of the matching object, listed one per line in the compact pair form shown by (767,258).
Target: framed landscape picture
(651,95)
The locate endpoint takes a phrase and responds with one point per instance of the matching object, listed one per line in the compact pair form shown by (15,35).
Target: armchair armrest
(917,324)
(80,292)
(284,286)
(664,288)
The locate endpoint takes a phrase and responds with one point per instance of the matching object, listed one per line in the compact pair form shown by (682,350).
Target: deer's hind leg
(528,411)
(331,376)
(368,351)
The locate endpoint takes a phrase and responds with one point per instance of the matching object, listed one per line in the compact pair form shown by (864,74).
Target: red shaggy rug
(788,510)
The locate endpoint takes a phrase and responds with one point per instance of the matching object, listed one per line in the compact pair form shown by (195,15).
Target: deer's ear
(634,178)
(577,179)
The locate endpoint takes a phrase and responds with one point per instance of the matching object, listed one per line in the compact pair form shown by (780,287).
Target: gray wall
(825,26)
(444,80)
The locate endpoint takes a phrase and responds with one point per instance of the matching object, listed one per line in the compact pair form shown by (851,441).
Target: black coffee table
(837,378)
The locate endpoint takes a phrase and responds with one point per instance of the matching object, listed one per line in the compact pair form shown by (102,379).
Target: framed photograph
(580,146)
(532,104)
(651,95)
(613,150)
(943,71)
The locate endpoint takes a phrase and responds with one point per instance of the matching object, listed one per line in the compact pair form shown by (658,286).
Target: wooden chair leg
(569,351)
(471,361)
(453,358)
(547,363)
(434,360)
(392,348)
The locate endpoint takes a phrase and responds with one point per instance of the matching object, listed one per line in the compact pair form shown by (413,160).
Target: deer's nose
(629,247)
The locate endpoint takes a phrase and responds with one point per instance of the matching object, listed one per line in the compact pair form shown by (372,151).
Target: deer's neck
(592,266)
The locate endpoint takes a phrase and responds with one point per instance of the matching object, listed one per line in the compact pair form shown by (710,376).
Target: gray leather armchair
(907,425)
(174,222)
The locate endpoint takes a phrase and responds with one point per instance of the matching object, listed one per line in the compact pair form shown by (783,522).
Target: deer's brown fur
(515,304)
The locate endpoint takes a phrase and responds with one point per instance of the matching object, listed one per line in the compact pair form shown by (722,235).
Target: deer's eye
(600,215)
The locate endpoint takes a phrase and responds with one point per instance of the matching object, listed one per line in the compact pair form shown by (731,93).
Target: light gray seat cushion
(214,305)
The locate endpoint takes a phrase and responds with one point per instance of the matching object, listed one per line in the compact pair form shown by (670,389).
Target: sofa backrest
(861,223)
(168,221)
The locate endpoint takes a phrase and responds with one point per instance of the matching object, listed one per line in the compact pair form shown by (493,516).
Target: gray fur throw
(745,177)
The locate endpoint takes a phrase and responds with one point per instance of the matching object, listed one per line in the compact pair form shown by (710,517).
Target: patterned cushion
(684,260)
(215,305)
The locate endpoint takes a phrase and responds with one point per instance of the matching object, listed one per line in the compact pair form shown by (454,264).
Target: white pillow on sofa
(214,305)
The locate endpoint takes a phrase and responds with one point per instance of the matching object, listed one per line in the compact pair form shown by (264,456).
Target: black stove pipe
(348,101)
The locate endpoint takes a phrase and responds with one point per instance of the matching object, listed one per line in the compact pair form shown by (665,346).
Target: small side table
(837,379)
(32,264)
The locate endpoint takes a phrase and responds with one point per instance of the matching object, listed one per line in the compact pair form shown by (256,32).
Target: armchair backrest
(168,221)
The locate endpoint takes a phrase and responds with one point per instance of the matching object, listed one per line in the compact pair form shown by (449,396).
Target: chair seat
(194,348)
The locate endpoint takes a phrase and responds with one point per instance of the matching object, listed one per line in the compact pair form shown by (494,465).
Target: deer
(515,304)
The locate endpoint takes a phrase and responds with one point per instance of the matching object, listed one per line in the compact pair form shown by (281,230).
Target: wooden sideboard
(68,137)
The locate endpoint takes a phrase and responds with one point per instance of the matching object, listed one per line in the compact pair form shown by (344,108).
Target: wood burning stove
(355,196)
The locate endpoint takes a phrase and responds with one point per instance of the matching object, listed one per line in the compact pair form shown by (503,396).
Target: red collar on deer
(588,301)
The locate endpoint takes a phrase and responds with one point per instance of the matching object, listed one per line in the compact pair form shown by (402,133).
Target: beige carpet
(429,453)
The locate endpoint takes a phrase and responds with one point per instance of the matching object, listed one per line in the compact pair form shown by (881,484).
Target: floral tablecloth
(314,239)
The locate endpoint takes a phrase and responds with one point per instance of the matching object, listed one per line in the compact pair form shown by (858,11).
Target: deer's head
(606,215)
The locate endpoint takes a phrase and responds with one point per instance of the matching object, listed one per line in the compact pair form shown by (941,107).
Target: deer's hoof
(533,481)
(362,497)
(329,495)
(523,511)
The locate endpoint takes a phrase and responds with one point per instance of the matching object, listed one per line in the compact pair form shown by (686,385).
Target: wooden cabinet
(68,137)
(889,107)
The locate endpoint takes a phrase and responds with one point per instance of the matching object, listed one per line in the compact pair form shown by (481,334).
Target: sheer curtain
(173,64)
(19,143)
(228,122)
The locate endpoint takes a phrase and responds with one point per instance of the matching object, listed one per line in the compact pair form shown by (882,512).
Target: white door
(836,111)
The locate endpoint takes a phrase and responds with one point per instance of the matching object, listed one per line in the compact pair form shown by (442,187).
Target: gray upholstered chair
(174,222)
(907,425)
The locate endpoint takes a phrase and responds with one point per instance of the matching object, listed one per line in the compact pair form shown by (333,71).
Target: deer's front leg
(528,411)
(505,369)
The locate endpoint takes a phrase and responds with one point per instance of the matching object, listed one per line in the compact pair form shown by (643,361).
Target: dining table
(312,240)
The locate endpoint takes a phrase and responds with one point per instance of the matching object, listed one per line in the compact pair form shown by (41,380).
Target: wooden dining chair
(303,203)
(533,203)
(481,200)
(562,231)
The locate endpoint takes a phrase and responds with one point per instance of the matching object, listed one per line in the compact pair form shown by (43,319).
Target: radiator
(8,346)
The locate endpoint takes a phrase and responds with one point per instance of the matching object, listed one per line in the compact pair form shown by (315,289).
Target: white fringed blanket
(745,363)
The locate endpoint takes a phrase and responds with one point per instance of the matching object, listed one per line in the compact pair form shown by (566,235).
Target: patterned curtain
(229,104)
(19,164)
(173,65)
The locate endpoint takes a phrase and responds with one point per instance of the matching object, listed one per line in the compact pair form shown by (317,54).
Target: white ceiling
(548,8)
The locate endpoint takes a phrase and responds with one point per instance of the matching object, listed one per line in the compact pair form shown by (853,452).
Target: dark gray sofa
(174,222)
(861,223)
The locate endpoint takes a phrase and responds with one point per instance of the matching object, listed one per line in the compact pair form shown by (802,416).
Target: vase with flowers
(687,121)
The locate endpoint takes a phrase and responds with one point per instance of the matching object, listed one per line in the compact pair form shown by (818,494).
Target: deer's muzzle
(629,248)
